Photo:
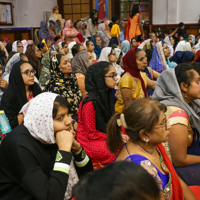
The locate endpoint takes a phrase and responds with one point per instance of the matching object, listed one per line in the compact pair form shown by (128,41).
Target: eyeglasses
(163,125)
(114,76)
(28,72)
(20,46)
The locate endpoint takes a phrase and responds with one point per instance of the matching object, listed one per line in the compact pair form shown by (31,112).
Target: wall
(29,13)
(175,11)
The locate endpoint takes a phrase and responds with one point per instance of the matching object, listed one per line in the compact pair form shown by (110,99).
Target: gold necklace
(150,156)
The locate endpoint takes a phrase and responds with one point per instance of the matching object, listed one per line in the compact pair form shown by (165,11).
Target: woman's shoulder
(176,115)
(127,80)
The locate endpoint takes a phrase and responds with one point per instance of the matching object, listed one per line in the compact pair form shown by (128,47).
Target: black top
(181,32)
(14,96)
(26,168)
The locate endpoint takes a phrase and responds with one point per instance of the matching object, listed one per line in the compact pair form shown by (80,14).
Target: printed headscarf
(80,62)
(39,121)
(65,86)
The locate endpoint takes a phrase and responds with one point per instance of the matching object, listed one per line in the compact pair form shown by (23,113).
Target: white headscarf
(25,44)
(70,45)
(180,45)
(38,118)
(141,46)
(15,58)
(186,47)
(193,39)
(167,41)
(104,57)
(14,46)
(39,121)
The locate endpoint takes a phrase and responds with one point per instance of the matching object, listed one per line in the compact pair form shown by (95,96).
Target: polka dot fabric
(38,119)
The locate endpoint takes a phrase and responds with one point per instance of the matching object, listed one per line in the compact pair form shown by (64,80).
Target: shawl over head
(14,45)
(104,57)
(167,41)
(79,26)
(39,122)
(99,94)
(25,44)
(54,33)
(183,56)
(183,46)
(14,96)
(125,47)
(168,92)
(97,49)
(130,65)
(80,62)
(158,62)
(65,86)
(67,28)
(43,32)
(15,58)
(105,38)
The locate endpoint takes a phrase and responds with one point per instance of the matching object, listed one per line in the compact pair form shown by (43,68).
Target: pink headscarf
(67,28)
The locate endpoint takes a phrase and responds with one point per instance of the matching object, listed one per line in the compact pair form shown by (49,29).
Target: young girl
(115,31)
(95,110)
(92,24)
(44,160)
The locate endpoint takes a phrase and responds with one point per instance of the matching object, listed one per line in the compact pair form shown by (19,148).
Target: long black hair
(135,10)
(94,20)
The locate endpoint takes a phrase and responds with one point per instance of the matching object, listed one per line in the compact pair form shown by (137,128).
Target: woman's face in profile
(65,65)
(27,74)
(141,60)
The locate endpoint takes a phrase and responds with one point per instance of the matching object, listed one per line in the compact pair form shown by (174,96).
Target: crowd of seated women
(85,101)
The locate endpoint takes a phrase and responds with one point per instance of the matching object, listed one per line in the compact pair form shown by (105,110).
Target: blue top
(150,167)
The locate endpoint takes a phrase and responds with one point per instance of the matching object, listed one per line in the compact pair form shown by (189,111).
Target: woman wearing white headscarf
(44,161)
(111,55)
(183,46)
(25,44)
(18,46)
(105,38)
(170,42)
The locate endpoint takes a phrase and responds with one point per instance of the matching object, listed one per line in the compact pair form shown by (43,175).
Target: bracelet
(77,150)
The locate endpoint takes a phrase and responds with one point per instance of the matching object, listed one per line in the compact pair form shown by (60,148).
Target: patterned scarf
(65,86)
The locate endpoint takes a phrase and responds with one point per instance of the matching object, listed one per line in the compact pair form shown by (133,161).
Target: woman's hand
(3,84)
(64,140)
(76,147)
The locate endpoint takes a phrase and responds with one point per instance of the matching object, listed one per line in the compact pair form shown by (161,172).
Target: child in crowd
(115,30)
